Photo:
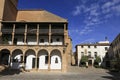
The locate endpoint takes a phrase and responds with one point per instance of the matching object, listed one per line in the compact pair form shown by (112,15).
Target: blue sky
(89,20)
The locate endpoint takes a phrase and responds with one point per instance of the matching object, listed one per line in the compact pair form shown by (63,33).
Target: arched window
(56,60)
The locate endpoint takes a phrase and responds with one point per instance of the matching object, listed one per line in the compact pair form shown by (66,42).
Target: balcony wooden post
(25,34)
(37,34)
(49,34)
(0,26)
(13,34)
(0,33)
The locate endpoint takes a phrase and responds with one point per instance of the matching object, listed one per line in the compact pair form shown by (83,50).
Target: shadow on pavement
(8,71)
(114,76)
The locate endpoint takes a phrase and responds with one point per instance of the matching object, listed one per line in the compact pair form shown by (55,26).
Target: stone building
(113,56)
(92,50)
(33,39)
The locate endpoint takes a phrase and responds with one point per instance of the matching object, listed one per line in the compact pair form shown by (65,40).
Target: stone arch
(17,59)
(5,57)
(56,59)
(42,62)
(29,59)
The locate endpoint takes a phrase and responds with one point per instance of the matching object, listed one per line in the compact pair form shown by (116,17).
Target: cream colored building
(33,39)
(91,50)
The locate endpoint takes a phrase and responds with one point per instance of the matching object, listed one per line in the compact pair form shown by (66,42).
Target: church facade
(33,39)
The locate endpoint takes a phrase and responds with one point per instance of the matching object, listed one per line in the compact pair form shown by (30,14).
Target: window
(82,46)
(88,46)
(46,59)
(56,60)
(57,39)
(82,53)
(42,40)
(95,46)
(95,54)
(89,54)
(106,48)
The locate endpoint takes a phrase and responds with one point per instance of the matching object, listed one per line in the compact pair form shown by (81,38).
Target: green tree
(97,61)
(84,59)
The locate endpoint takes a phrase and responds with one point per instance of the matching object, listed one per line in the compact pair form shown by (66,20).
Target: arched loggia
(17,59)
(56,59)
(29,59)
(5,57)
(43,59)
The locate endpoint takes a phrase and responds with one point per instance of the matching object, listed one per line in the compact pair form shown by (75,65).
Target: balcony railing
(43,31)
(59,31)
(7,30)
(19,30)
(32,31)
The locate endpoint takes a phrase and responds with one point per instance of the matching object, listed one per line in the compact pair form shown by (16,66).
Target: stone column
(49,62)
(23,63)
(49,34)
(10,60)
(36,61)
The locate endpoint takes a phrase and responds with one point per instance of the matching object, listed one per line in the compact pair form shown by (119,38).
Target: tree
(97,61)
(83,61)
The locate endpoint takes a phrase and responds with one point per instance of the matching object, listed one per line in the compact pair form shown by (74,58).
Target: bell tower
(8,10)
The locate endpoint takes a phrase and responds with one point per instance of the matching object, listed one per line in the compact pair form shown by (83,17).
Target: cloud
(85,30)
(96,13)
(91,40)
(78,10)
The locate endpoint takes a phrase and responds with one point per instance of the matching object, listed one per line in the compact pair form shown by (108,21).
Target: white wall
(42,64)
(57,42)
(28,64)
(46,41)
(55,65)
(31,40)
(9,40)
(20,40)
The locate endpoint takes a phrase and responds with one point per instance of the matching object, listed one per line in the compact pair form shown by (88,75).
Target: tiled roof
(38,16)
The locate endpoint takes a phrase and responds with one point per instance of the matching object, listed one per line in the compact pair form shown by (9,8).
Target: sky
(88,20)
